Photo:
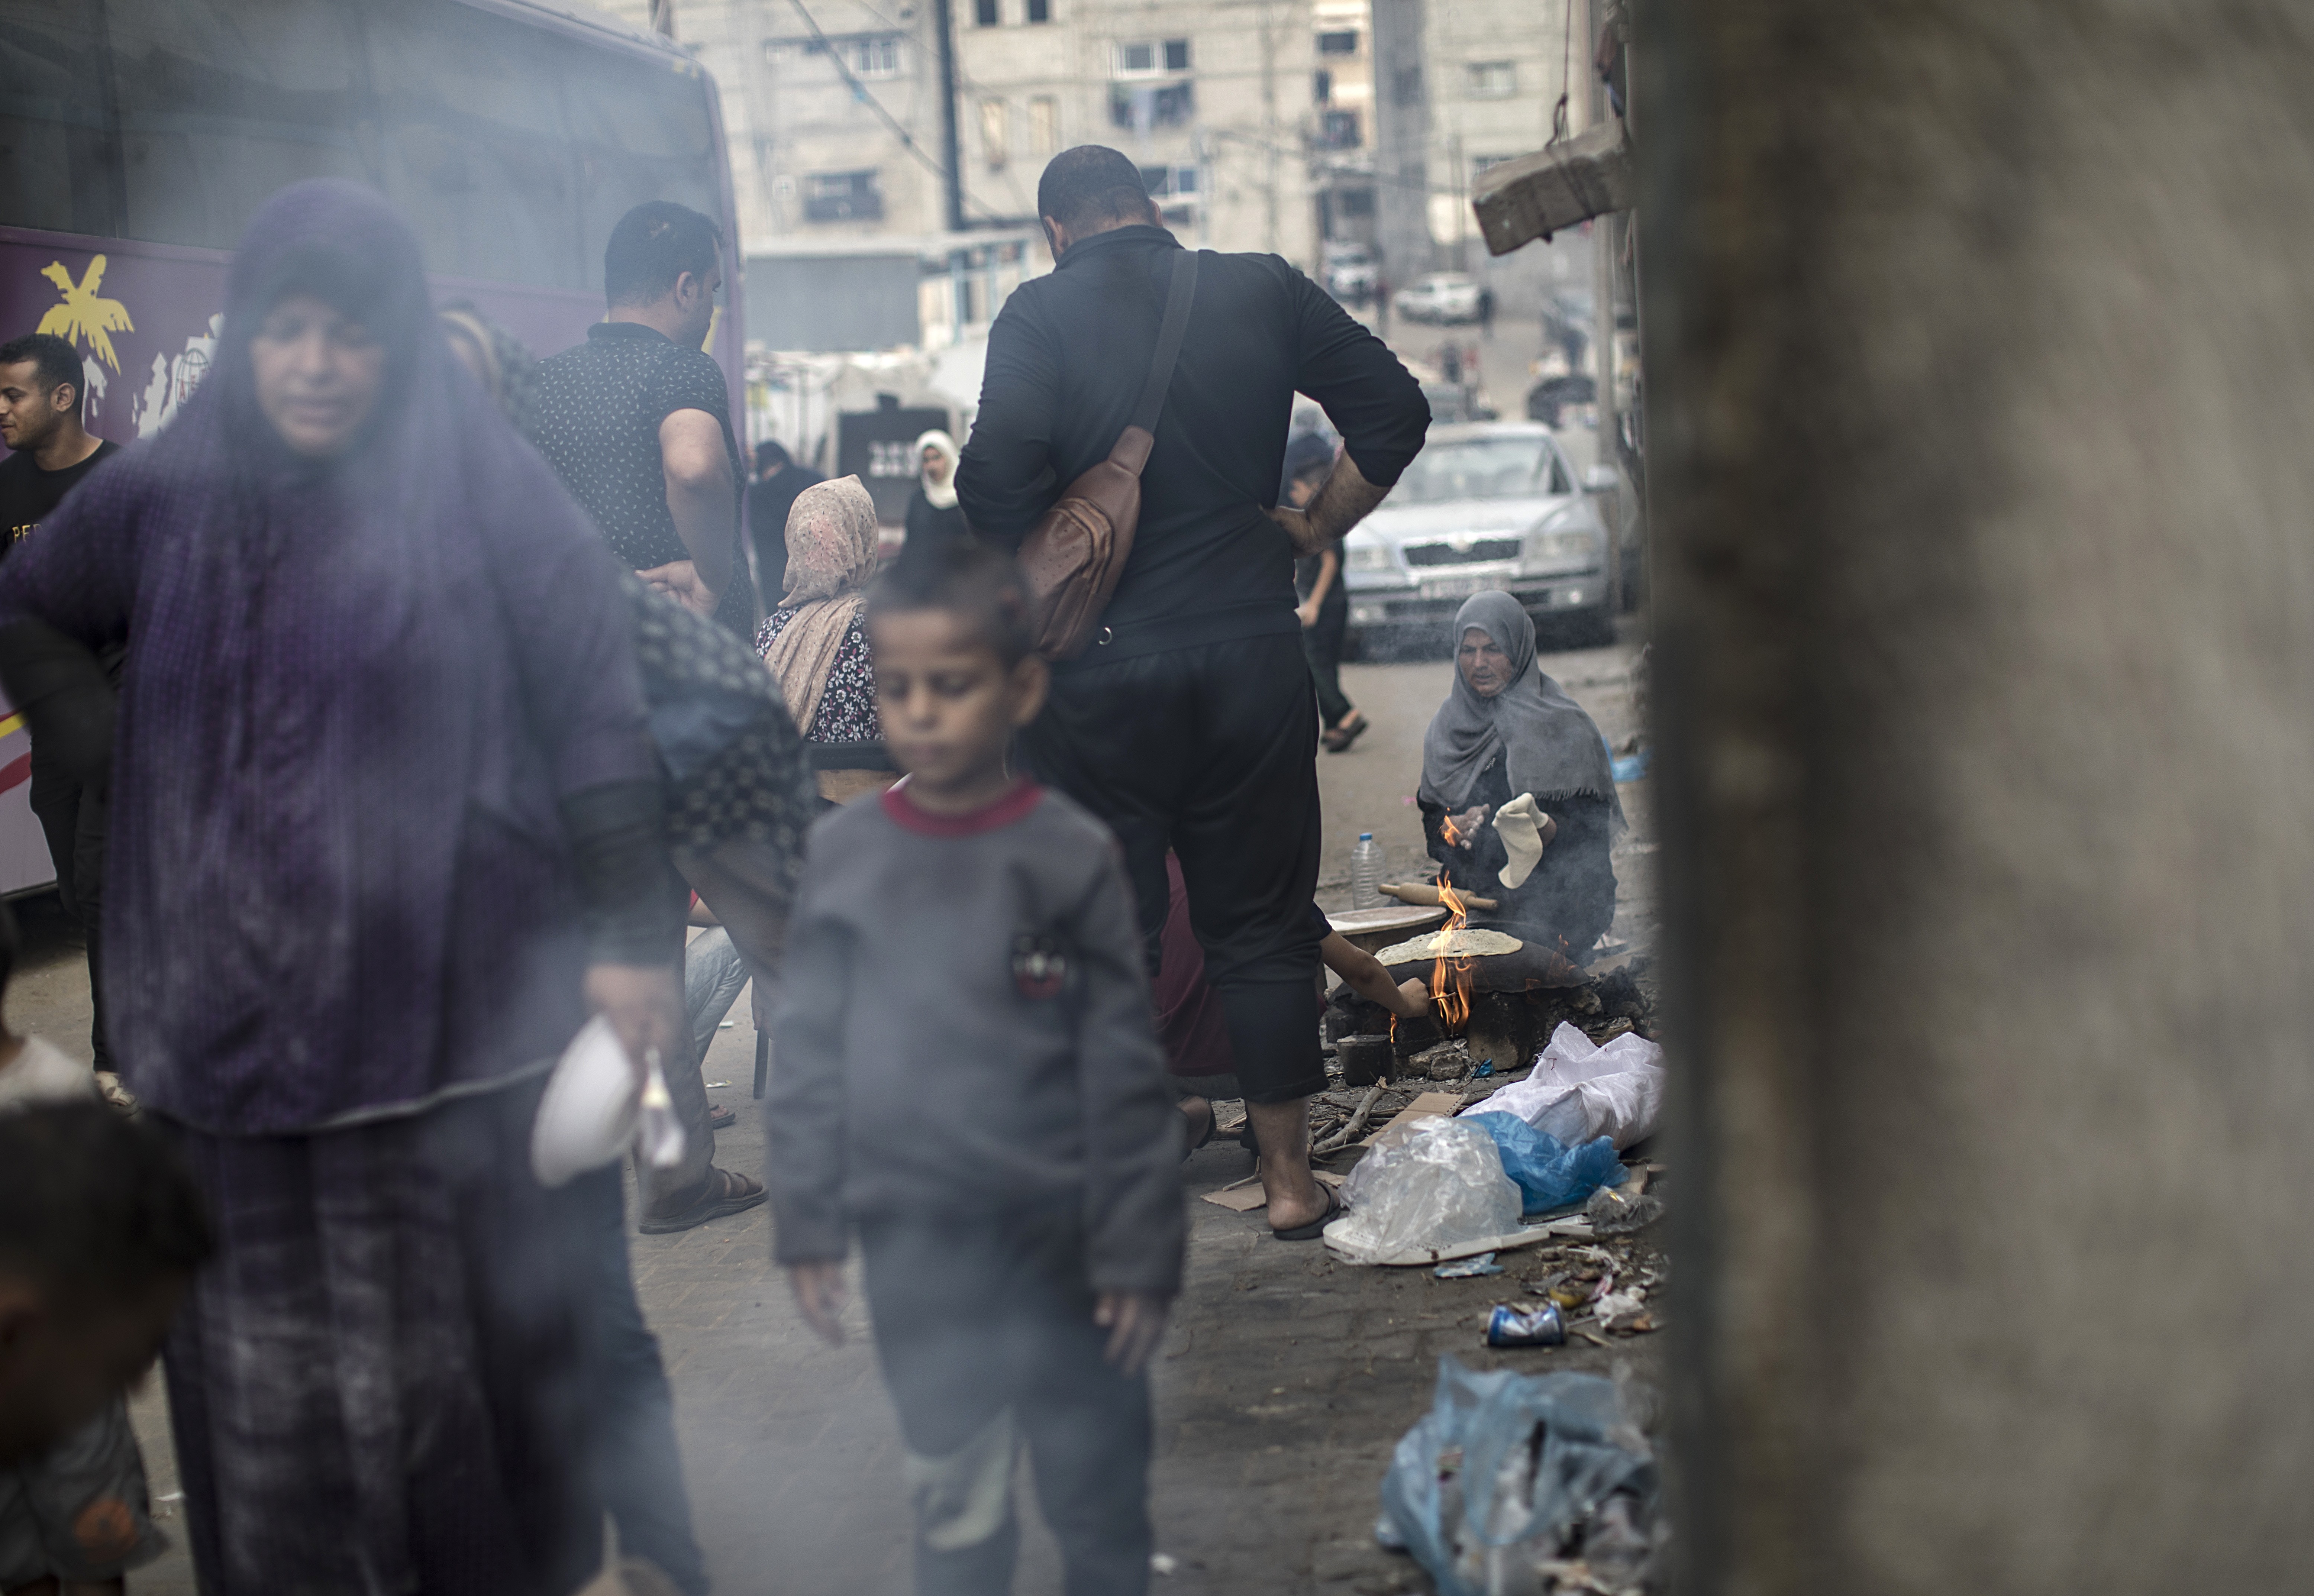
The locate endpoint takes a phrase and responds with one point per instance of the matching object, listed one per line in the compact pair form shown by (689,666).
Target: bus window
(221,103)
(477,152)
(55,170)
(643,132)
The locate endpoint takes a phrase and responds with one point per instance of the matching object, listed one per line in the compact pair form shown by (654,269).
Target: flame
(1450,978)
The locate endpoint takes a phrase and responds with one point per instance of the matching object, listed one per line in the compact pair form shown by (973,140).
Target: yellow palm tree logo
(83,316)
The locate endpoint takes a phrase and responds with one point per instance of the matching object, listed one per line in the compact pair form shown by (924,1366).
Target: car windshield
(1480,468)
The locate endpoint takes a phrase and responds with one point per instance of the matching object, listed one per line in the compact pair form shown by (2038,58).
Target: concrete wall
(1981,352)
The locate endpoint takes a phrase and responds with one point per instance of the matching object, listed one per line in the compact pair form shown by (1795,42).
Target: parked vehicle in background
(1351,273)
(1486,505)
(1571,400)
(138,136)
(1441,296)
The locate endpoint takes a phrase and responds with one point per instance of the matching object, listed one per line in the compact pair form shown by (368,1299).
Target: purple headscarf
(354,691)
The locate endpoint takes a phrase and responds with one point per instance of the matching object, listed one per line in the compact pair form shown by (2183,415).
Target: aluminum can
(1526,1327)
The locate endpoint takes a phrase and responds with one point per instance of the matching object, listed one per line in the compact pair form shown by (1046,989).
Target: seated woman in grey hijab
(1518,799)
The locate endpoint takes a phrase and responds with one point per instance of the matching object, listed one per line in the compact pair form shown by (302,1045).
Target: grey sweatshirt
(965,1029)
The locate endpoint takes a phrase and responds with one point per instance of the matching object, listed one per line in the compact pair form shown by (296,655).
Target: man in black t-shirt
(637,422)
(40,423)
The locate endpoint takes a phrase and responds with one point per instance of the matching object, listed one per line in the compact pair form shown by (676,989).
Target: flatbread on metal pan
(1469,942)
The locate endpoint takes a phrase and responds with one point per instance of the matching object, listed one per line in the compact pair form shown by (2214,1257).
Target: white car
(1487,505)
(1442,297)
(1351,274)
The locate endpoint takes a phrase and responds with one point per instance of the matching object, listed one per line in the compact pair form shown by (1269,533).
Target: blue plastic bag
(1506,1468)
(1548,1173)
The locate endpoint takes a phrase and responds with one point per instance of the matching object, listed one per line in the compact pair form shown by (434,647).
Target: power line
(907,140)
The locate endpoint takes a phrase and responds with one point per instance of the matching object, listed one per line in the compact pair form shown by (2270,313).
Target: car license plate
(1455,586)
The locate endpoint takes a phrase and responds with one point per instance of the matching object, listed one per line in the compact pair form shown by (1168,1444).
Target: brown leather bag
(1072,557)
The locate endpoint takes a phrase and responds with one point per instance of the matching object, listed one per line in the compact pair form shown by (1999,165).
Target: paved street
(1282,1387)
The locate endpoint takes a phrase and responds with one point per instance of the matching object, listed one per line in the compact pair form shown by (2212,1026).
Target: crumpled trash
(1469,1268)
(1432,1183)
(1549,1174)
(1512,1478)
(1578,1091)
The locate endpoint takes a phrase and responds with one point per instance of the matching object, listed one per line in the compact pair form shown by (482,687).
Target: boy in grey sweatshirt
(967,1076)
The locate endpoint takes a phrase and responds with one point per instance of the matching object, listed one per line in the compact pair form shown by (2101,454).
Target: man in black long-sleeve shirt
(1189,725)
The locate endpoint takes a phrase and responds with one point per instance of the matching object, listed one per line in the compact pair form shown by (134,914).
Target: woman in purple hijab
(386,822)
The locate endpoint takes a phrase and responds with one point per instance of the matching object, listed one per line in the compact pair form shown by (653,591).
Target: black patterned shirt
(595,412)
(847,704)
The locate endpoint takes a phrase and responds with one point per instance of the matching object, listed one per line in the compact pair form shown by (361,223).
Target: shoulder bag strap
(1168,342)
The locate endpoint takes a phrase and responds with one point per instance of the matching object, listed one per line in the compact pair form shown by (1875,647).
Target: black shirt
(594,416)
(768,504)
(1067,359)
(928,524)
(29,496)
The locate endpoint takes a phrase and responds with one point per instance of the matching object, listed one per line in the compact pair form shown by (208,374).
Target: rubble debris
(1527,1482)
(1620,1213)
(1525,1326)
(1476,1265)
(1343,1137)
(1448,1061)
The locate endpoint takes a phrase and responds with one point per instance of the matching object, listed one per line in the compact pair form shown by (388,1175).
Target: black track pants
(1211,752)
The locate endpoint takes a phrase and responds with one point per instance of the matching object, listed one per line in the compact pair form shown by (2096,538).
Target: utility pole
(1603,230)
(951,155)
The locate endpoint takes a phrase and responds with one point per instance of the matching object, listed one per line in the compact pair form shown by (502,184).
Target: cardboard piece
(1429,1105)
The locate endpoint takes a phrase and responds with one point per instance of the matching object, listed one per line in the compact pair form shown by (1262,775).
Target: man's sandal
(1316,1227)
(725,1193)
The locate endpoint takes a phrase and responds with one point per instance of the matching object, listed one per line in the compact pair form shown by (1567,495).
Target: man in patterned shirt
(637,421)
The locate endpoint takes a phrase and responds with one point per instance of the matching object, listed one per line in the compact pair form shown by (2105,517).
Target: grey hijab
(1551,748)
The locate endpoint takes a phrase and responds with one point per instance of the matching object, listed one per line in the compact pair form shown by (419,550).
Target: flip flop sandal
(719,1199)
(722,1119)
(1338,739)
(1316,1227)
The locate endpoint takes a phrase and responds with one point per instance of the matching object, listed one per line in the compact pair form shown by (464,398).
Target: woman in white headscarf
(1518,796)
(934,514)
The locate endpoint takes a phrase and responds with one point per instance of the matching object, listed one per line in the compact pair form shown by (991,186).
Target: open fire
(1450,978)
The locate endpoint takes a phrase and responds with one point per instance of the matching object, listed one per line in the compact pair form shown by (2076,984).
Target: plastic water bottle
(1365,873)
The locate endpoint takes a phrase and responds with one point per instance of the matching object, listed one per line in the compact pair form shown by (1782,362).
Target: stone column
(1981,379)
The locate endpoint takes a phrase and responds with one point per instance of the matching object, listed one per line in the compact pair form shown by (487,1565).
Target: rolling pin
(1426,895)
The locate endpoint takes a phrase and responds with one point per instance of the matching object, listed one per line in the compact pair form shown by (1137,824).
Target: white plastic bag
(1579,1092)
(1433,1183)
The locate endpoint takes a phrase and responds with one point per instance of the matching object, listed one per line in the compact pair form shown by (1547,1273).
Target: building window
(1321,86)
(1040,10)
(874,55)
(1144,106)
(1355,202)
(991,133)
(1344,43)
(983,12)
(1147,58)
(1044,124)
(1492,80)
(843,196)
(1177,191)
(1340,130)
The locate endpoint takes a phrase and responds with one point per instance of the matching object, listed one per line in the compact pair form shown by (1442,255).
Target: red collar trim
(1014,806)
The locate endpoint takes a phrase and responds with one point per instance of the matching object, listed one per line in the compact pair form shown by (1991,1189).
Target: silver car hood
(1414,523)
